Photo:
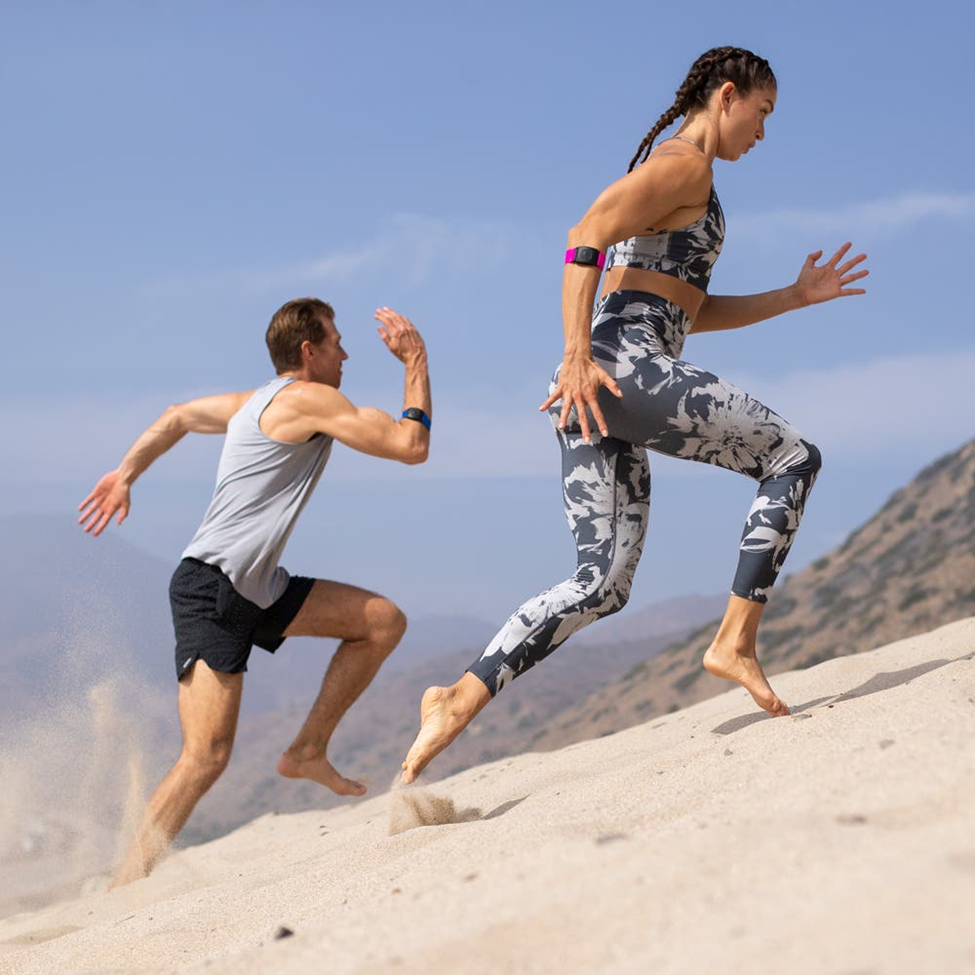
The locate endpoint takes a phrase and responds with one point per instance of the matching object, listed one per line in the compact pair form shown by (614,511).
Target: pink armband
(585,255)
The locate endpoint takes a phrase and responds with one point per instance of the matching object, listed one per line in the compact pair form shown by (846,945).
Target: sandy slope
(841,840)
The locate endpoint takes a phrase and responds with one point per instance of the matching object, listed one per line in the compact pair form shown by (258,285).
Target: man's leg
(369,627)
(209,702)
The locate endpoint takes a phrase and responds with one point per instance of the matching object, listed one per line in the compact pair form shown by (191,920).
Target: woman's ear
(726,95)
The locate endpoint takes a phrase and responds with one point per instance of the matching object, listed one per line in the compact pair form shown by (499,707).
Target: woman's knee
(800,459)
(610,597)
(815,461)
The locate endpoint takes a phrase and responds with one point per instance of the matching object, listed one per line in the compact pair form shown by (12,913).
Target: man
(229,592)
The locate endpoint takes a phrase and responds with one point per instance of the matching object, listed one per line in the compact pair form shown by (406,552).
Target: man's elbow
(416,453)
(175,418)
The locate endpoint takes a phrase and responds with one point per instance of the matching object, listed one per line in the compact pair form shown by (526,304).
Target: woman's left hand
(832,279)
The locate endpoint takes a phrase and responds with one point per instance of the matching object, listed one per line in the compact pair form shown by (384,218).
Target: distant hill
(69,601)
(908,569)
(81,608)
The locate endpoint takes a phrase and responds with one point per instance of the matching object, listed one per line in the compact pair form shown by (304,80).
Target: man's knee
(205,764)
(387,623)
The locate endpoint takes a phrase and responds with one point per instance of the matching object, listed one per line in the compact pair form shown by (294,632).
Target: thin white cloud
(412,249)
(876,217)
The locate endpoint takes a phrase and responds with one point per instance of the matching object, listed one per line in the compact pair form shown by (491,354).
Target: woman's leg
(679,409)
(606,489)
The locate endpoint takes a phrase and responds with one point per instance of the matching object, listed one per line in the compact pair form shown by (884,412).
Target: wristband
(585,255)
(414,413)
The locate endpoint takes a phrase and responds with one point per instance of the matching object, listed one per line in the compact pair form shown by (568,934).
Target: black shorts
(214,623)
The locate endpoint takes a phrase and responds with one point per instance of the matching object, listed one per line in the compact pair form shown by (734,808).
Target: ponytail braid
(746,70)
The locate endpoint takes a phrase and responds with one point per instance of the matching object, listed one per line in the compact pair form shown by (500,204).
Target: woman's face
(742,119)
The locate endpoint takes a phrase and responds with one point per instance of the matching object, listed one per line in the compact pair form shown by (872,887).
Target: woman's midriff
(682,294)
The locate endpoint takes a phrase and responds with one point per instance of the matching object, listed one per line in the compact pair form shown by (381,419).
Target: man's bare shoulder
(305,397)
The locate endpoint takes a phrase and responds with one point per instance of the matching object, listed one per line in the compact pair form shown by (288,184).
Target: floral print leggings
(675,408)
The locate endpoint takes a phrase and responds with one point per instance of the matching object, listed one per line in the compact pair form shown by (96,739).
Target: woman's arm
(672,180)
(814,285)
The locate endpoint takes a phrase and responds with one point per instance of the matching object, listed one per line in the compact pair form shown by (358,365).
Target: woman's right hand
(578,385)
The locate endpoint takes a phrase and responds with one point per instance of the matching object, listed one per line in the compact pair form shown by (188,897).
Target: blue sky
(173,173)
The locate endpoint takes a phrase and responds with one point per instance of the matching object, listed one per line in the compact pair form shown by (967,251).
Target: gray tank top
(262,487)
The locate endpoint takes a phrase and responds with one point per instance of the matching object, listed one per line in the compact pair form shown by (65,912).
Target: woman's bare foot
(743,668)
(310,763)
(444,713)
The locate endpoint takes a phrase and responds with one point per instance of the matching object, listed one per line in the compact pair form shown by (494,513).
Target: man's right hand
(400,335)
(109,496)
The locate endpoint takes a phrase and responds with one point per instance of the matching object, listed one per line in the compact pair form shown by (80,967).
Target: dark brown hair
(295,322)
(711,70)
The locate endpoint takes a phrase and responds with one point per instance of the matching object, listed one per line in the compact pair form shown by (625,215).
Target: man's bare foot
(744,668)
(128,873)
(444,713)
(311,763)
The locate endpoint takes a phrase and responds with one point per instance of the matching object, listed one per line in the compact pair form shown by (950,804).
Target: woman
(625,369)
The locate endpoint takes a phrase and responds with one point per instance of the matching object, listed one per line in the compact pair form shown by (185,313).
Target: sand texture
(839,841)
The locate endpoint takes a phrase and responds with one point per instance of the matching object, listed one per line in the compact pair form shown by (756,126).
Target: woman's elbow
(590,232)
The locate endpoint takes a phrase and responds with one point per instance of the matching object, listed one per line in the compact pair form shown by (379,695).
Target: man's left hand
(399,334)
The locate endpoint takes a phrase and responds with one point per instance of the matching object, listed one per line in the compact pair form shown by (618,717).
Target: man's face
(327,357)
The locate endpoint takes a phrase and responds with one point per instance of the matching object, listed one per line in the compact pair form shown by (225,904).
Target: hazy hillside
(80,608)
(64,595)
(908,569)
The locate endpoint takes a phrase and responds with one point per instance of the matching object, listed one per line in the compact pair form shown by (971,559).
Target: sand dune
(840,840)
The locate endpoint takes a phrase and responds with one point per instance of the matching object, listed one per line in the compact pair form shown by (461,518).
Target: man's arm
(814,285)
(311,407)
(111,495)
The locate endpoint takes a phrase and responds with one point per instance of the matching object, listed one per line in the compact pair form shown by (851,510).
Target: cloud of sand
(411,806)
(76,769)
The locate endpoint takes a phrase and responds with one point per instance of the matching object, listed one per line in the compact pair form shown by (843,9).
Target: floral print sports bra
(687,253)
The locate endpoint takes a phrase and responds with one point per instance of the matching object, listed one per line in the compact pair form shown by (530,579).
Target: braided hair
(711,70)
